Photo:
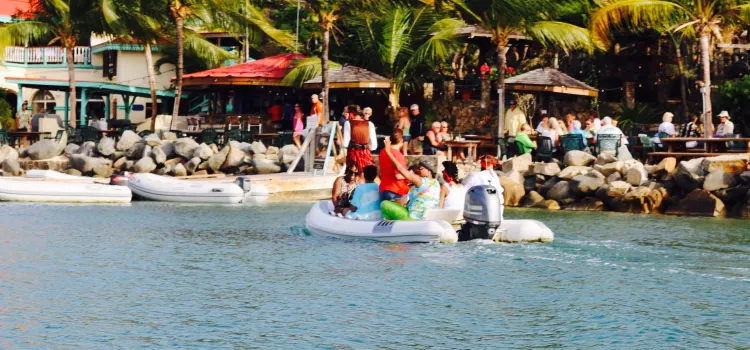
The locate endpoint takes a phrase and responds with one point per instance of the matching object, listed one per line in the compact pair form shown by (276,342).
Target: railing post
(44,55)
(67,107)
(25,54)
(84,104)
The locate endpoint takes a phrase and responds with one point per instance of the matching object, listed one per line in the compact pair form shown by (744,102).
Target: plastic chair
(246,136)
(232,134)
(5,139)
(545,150)
(145,133)
(59,135)
(74,135)
(503,147)
(609,143)
(89,133)
(207,136)
(572,142)
(648,146)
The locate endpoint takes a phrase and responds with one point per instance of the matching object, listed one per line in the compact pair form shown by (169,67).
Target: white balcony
(48,55)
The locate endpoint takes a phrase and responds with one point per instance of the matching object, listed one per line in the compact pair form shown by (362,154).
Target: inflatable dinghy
(167,189)
(55,175)
(62,192)
(320,221)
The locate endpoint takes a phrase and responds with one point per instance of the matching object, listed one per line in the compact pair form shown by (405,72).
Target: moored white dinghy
(62,192)
(168,189)
(320,221)
(55,175)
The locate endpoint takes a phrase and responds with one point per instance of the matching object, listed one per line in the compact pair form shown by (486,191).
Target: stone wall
(467,116)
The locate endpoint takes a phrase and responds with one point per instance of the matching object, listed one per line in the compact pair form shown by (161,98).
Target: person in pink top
(298,125)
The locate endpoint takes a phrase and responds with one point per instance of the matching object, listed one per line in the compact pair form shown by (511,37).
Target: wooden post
(84,104)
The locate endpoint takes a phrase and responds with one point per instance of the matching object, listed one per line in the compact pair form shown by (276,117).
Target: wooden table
(471,146)
(28,136)
(713,144)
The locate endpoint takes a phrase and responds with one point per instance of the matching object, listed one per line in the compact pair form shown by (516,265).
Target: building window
(110,64)
(43,102)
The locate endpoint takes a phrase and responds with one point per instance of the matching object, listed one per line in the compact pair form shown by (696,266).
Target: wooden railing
(46,55)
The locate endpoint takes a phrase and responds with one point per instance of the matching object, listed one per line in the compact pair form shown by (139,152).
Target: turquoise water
(156,276)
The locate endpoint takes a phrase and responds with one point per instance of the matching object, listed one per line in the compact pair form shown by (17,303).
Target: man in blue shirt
(365,203)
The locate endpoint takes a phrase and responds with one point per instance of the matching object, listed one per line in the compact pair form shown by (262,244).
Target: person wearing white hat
(726,127)
(417,131)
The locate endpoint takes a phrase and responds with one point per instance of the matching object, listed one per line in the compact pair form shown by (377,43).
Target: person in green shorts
(424,192)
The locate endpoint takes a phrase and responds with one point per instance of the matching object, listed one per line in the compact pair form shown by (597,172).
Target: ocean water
(151,275)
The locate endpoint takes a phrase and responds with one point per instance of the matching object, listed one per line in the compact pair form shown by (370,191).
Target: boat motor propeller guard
(482,213)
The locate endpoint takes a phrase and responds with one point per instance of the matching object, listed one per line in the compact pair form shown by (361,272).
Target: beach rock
(235,157)
(71,149)
(587,204)
(578,158)
(179,170)
(641,200)
(145,165)
(127,140)
(513,175)
(44,149)
(164,171)
(667,165)
(532,198)
(614,177)
(73,172)
(192,165)
(547,204)
(274,157)
(628,165)
(217,159)
(185,147)
(733,195)
(561,192)
(102,171)
(636,176)
(152,140)
(258,148)
(272,150)
(136,152)
(513,191)
(572,171)
(604,159)
(86,164)
(106,146)
(203,151)
(12,168)
(530,184)
(548,186)
(88,148)
(129,165)
(7,152)
(214,148)
(259,157)
(717,180)
(289,154)
(546,169)
(618,188)
(168,149)
(120,163)
(584,184)
(169,136)
(610,168)
(200,173)
(159,156)
(690,175)
(520,164)
(267,166)
(174,161)
(734,164)
(698,203)
(204,166)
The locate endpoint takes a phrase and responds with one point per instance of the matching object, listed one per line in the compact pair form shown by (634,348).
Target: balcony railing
(46,55)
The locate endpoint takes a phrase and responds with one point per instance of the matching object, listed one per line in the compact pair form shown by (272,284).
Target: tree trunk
(502,51)
(706,64)
(180,57)
(324,72)
(151,83)
(71,82)
(683,82)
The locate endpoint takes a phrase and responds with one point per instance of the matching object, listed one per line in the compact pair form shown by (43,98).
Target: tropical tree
(534,19)
(703,18)
(65,21)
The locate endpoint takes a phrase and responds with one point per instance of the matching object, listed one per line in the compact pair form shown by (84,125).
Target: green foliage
(640,113)
(734,96)
(304,70)
(7,121)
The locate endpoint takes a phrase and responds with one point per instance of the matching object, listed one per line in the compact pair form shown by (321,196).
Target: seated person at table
(690,129)
(343,187)
(543,125)
(365,203)
(666,127)
(452,193)
(423,195)
(726,127)
(523,141)
(577,131)
(609,129)
(433,145)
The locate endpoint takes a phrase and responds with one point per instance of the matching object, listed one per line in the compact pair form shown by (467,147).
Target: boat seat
(448,215)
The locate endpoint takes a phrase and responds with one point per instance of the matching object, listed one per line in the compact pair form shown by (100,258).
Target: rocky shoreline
(162,155)
(712,187)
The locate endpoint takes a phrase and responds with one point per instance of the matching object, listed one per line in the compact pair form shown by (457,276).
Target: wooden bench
(657,156)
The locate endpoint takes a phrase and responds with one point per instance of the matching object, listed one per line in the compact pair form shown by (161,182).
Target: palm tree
(397,40)
(534,19)
(703,18)
(66,21)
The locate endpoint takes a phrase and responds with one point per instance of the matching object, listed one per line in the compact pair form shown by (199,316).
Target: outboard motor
(244,183)
(482,212)
(119,180)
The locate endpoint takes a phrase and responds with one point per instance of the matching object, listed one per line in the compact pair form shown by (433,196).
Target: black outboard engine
(482,212)
(243,182)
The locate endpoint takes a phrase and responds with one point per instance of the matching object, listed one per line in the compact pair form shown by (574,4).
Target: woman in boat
(424,193)
(343,188)
(452,193)
(365,203)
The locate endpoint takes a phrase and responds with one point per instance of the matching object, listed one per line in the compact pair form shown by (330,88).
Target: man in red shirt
(393,185)
(275,112)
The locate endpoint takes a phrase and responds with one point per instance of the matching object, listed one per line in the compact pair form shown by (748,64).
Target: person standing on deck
(23,118)
(317,109)
(417,131)
(359,140)
(514,118)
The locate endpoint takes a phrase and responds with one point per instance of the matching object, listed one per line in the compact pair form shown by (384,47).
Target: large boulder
(530,183)
(88,148)
(169,136)
(520,164)
(86,164)
(185,147)
(203,152)
(137,150)
(613,177)
(586,184)
(636,176)
(548,204)
(44,149)
(179,170)
(717,180)
(289,154)
(641,200)
(12,168)
(513,175)
(618,188)
(548,186)
(258,148)
(667,165)
(698,203)
(145,165)
(120,164)
(546,169)
(271,150)
(159,156)
(103,171)
(531,199)
(690,174)
(127,140)
(572,171)
(106,146)
(578,158)
(587,204)
(71,149)
(174,161)
(168,149)
(152,140)
(604,159)
(216,160)
(610,168)
(235,157)
(192,165)
(734,164)
(513,191)
(7,152)
(266,167)
(561,192)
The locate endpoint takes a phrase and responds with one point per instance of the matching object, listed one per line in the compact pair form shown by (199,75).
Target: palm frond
(207,51)
(20,33)
(395,38)
(304,70)
(634,14)
(566,36)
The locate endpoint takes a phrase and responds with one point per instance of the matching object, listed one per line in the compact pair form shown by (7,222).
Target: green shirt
(525,145)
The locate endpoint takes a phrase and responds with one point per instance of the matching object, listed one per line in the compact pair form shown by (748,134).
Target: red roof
(274,67)
(11,7)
